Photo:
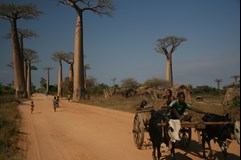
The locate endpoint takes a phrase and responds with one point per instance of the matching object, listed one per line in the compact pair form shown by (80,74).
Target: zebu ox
(237,131)
(163,134)
(220,133)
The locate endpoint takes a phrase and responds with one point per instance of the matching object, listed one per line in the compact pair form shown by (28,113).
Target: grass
(210,103)
(9,128)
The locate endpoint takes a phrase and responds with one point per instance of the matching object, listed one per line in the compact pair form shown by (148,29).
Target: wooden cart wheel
(138,131)
(185,136)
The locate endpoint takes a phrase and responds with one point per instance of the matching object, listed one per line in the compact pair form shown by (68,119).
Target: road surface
(83,132)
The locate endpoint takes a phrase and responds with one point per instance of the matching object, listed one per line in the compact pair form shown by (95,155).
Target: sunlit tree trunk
(78,59)
(29,80)
(169,74)
(71,72)
(17,63)
(60,79)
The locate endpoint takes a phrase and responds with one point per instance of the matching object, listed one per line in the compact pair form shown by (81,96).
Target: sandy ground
(82,132)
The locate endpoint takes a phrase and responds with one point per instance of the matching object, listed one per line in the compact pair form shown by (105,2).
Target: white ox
(237,131)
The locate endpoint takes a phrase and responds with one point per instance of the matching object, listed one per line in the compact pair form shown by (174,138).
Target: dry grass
(211,104)
(9,127)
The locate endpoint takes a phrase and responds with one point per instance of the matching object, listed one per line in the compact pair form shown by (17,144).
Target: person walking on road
(55,103)
(32,107)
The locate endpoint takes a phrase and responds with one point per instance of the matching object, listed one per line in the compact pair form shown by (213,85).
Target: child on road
(32,107)
(55,103)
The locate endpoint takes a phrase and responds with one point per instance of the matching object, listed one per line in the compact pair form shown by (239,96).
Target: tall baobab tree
(235,77)
(218,81)
(30,56)
(101,7)
(163,45)
(59,56)
(23,34)
(47,84)
(12,13)
(69,58)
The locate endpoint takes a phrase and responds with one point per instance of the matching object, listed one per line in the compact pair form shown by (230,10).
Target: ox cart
(141,125)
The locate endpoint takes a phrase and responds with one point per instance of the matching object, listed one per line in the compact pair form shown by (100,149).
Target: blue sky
(123,45)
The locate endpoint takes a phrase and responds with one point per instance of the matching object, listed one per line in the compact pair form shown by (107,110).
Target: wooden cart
(141,125)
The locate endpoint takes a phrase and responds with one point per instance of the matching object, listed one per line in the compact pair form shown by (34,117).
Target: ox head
(173,129)
(237,131)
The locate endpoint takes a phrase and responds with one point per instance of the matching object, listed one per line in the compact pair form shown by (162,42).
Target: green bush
(235,102)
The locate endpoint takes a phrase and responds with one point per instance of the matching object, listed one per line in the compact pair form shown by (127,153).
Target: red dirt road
(82,132)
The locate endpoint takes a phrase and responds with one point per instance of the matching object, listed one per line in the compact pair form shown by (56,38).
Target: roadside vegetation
(9,125)
(9,128)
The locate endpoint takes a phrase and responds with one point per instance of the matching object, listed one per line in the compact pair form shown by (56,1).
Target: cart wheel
(185,136)
(138,131)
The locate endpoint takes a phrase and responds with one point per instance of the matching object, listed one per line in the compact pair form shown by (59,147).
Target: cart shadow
(195,149)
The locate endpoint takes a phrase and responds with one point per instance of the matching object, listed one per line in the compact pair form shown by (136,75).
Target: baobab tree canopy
(17,11)
(163,45)
(170,41)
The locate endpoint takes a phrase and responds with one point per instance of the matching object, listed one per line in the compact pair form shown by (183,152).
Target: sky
(123,45)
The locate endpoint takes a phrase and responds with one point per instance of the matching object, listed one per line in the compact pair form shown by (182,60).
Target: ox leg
(223,148)
(209,145)
(173,151)
(156,153)
(203,145)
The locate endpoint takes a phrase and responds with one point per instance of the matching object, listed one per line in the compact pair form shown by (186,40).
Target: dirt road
(82,132)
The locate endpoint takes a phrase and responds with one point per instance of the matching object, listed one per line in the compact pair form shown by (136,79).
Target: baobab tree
(23,34)
(12,13)
(59,56)
(101,7)
(47,84)
(69,58)
(30,56)
(235,77)
(218,81)
(163,45)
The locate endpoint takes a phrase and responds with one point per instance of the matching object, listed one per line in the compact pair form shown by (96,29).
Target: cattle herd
(169,134)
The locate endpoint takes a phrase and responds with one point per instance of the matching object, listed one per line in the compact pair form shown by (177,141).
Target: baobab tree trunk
(60,79)
(71,72)
(78,59)
(29,80)
(25,70)
(169,74)
(19,82)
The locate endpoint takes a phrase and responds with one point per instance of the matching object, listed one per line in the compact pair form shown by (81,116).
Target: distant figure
(55,103)
(32,107)
(68,97)
(58,100)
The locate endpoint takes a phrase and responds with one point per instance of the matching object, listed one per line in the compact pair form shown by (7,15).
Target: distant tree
(236,79)
(69,58)
(157,83)
(30,56)
(47,84)
(13,12)
(101,7)
(129,83)
(163,45)
(218,81)
(43,84)
(67,87)
(58,56)
(23,34)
